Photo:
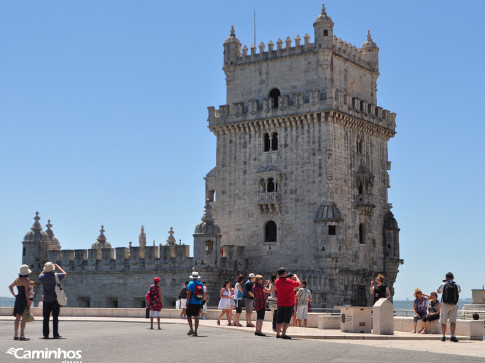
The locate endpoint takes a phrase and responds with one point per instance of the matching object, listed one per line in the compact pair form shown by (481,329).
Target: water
(408,304)
(7,302)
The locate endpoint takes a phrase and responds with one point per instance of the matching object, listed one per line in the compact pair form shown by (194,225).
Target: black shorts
(284,314)
(260,314)
(432,317)
(239,306)
(193,309)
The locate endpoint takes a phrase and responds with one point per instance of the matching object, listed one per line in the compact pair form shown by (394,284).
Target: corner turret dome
(208,226)
(171,241)
(323,17)
(36,234)
(101,241)
(232,37)
(369,43)
(54,242)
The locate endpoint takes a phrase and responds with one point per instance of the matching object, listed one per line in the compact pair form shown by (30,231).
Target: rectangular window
(332,230)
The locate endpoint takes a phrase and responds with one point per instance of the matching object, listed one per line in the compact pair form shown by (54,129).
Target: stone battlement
(341,48)
(302,102)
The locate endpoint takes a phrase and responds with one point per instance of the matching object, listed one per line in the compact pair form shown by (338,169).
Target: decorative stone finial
(101,237)
(36,225)
(369,37)
(130,243)
(171,239)
(49,230)
(233,32)
(324,11)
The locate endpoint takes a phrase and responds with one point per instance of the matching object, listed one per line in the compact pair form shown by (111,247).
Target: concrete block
(355,319)
(329,321)
(383,318)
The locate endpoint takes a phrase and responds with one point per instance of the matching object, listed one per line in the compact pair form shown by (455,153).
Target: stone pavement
(407,343)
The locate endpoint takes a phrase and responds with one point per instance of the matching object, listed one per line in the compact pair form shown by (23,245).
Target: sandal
(218,322)
(15,338)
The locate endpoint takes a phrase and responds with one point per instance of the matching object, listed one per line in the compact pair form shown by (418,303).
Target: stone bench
(329,321)
(474,329)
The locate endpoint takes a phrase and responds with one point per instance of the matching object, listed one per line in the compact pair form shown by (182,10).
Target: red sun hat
(156,280)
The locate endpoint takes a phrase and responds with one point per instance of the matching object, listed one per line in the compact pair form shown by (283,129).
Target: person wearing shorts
(249,299)
(304,297)
(285,299)
(238,300)
(448,311)
(193,305)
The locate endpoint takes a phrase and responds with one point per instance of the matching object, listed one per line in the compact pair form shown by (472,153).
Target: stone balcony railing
(364,204)
(268,202)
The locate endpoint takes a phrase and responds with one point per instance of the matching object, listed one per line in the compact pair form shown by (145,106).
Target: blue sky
(103,114)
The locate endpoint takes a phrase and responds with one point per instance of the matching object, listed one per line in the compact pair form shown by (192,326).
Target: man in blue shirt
(196,296)
(48,279)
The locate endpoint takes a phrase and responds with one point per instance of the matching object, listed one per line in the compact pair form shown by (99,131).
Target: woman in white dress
(225,302)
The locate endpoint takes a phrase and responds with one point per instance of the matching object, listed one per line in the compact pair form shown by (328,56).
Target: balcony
(364,204)
(268,202)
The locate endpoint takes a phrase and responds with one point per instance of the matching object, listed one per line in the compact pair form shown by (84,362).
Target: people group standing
(260,292)
(238,300)
(285,299)
(51,306)
(249,298)
(22,302)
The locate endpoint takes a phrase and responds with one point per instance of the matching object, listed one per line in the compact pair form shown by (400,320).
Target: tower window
(361,234)
(361,189)
(23,251)
(274,141)
(332,230)
(274,94)
(209,245)
(211,195)
(267,142)
(271,185)
(325,33)
(270,232)
(261,186)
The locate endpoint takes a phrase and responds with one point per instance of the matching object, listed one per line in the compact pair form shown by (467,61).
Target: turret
(232,50)
(207,239)
(35,246)
(323,27)
(53,241)
(370,52)
(142,239)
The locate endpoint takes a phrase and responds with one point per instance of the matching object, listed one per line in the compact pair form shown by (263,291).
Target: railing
(462,314)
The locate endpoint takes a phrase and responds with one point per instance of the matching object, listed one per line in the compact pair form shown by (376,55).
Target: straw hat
(24,270)
(48,267)
(195,275)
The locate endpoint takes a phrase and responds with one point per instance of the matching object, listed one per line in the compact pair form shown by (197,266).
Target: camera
(290,275)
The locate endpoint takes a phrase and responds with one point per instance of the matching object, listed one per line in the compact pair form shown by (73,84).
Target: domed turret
(36,234)
(101,241)
(207,239)
(370,51)
(208,226)
(328,212)
(232,50)
(323,27)
(35,246)
(171,241)
(53,241)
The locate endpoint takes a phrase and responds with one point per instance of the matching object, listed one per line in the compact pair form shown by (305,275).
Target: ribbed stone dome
(101,241)
(328,212)
(390,222)
(369,43)
(208,226)
(36,234)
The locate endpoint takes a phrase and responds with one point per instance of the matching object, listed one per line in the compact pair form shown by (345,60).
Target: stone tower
(301,173)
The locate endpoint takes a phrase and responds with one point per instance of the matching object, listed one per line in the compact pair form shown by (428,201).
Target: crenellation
(67,256)
(297,41)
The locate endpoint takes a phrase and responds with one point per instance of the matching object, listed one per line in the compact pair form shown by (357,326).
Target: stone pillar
(383,318)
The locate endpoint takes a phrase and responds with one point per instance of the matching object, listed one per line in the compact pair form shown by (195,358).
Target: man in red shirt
(285,300)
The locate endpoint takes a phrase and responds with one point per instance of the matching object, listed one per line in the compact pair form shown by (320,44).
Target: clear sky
(103,114)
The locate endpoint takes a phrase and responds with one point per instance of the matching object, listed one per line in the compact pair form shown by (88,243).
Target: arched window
(361,234)
(325,33)
(209,245)
(274,94)
(271,185)
(360,145)
(211,195)
(274,141)
(261,186)
(361,188)
(270,232)
(267,142)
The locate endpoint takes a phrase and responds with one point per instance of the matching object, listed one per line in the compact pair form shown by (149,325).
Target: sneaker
(285,337)
(195,334)
(443,338)
(181,316)
(413,331)
(278,336)
(190,332)
(454,339)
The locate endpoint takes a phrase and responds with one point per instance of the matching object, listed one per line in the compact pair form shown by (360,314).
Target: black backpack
(450,293)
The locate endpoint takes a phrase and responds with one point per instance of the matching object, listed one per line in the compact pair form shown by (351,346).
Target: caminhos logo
(67,356)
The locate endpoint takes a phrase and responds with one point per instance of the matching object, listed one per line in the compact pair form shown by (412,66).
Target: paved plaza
(130,340)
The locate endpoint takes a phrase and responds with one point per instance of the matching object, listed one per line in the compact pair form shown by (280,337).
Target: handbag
(27,316)
(61,296)
(272,303)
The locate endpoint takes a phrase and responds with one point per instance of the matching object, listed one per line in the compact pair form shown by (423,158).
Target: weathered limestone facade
(301,175)
(301,181)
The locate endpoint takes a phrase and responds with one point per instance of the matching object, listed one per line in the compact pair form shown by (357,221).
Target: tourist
(238,294)
(434,308)
(272,300)
(225,302)
(203,311)
(154,301)
(304,297)
(420,307)
(21,301)
(260,292)
(449,308)
(195,297)
(285,299)
(48,279)
(248,295)
(380,291)
(183,300)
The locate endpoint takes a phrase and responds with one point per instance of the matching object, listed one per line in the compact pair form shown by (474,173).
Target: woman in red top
(260,292)
(154,300)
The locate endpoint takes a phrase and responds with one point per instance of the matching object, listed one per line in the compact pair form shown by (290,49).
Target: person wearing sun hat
(48,279)
(195,296)
(21,301)
(155,302)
